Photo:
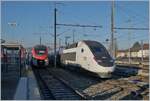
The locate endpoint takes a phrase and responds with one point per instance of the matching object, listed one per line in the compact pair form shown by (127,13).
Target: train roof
(13,46)
(92,43)
(88,42)
(40,47)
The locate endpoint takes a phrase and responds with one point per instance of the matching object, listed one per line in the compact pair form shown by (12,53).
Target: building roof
(14,46)
(146,46)
(136,48)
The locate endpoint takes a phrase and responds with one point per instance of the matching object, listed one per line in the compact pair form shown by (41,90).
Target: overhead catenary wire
(135,13)
(130,28)
(77,18)
(122,35)
(79,25)
(126,13)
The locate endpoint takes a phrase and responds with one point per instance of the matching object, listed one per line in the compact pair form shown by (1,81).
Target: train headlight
(46,60)
(99,61)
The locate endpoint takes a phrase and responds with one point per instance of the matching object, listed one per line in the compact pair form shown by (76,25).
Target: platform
(33,91)
(27,88)
(8,87)
(9,82)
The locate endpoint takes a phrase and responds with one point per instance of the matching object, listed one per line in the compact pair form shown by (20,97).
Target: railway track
(52,87)
(130,71)
(127,87)
(44,90)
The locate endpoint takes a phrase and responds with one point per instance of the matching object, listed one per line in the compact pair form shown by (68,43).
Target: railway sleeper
(54,85)
(65,95)
(108,93)
(58,91)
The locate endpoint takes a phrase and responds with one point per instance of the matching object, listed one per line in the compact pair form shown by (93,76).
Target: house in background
(135,51)
(145,51)
(121,53)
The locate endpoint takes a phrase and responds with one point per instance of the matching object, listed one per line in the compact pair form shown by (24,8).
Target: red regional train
(40,56)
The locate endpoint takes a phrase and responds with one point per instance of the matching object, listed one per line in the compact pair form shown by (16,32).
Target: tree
(136,46)
(2,41)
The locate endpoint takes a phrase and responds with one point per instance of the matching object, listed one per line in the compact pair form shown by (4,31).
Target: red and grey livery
(39,56)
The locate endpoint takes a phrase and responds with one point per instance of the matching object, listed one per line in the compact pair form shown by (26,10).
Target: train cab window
(82,50)
(97,49)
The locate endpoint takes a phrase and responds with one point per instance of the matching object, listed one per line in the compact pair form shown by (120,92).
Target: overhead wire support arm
(123,28)
(78,25)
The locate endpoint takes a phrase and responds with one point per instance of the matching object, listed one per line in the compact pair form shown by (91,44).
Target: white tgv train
(88,55)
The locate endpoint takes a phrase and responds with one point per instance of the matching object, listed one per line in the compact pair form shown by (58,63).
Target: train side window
(82,50)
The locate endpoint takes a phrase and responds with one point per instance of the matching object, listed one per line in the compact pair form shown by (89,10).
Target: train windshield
(40,50)
(100,53)
(99,50)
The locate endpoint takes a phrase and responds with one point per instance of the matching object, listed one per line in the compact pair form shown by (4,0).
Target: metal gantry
(119,28)
(71,25)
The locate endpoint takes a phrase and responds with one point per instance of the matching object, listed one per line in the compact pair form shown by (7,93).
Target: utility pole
(73,36)
(59,43)
(112,29)
(66,39)
(129,39)
(115,47)
(55,10)
(142,50)
(129,49)
(40,40)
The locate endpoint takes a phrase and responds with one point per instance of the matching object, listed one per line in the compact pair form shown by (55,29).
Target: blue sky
(37,17)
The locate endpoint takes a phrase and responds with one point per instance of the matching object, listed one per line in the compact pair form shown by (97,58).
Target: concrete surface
(21,92)
(33,90)
(9,82)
